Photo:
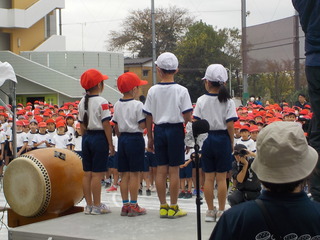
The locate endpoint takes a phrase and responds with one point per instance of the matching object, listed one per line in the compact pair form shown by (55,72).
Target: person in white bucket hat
(283,211)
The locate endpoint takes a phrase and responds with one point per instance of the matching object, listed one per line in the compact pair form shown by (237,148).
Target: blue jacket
(294,214)
(312,30)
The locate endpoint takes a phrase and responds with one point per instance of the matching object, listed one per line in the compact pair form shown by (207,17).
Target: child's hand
(182,166)
(111,150)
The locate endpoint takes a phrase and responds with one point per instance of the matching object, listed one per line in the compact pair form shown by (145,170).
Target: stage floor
(113,226)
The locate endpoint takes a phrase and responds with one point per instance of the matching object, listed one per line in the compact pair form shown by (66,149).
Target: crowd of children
(148,141)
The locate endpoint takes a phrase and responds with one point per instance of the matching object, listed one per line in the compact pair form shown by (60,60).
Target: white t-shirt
(250,144)
(115,143)
(77,141)
(128,114)
(61,141)
(208,107)
(30,137)
(21,139)
(98,111)
(41,137)
(166,102)
(2,139)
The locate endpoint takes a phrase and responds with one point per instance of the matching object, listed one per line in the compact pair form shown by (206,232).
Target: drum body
(43,181)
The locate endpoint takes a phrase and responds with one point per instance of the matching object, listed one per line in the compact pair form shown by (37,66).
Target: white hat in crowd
(283,154)
(167,61)
(216,73)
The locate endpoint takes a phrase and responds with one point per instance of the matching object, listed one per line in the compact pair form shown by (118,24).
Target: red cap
(254,128)
(42,124)
(237,125)
(19,123)
(78,125)
(245,128)
(304,112)
(60,124)
(127,81)
(307,106)
(50,120)
(70,116)
(91,78)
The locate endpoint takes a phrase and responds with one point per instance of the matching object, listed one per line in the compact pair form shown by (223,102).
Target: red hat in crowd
(50,120)
(127,81)
(91,78)
(245,128)
(42,124)
(60,124)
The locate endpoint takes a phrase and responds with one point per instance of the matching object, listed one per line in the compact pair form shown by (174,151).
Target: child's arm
(149,121)
(108,132)
(187,117)
(142,125)
(116,129)
(230,129)
(24,147)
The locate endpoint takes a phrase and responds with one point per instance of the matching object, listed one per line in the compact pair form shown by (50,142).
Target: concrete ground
(113,226)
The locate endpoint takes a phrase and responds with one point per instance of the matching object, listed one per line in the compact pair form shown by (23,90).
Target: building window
(145,73)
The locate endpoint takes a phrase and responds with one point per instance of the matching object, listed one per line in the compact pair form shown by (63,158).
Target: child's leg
(182,184)
(96,187)
(189,181)
(125,176)
(208,189)
(86,183)
(222,190)
(146,176)
(115,176)
(161,179)
(174,184)
(134,185)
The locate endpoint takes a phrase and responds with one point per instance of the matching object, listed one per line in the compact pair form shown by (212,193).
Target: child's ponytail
(86,117)
(223,95)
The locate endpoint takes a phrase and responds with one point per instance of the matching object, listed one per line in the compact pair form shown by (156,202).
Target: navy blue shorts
(95,151)
(146,164)
(186,172)
(113,161)
(216,152)
(151,159)
(169,144)
(131,149)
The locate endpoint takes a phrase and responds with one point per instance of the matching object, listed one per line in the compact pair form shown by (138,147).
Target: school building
(31,41)
(143,68)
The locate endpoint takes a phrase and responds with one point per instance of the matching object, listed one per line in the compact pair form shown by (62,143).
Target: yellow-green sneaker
(176,212)
(164,211)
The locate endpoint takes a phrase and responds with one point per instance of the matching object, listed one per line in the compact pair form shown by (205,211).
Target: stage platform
(113,226)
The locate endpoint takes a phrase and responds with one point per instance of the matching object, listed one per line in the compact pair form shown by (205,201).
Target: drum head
(27,186)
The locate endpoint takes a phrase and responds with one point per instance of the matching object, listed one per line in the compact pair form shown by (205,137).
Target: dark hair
(283,187)
(302,95)
(168,71)
(223,94)
(76,134)
(85,116)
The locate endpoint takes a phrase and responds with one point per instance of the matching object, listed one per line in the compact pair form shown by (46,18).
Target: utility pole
(244,51)
(296,50)
(154,72)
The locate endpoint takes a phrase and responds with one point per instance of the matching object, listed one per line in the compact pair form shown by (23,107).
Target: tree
(204,45)
(136,35)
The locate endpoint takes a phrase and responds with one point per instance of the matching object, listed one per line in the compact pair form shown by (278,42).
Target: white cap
(216,73)
(167,61)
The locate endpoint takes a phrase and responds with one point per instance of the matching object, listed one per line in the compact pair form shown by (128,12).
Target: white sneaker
(87,209)
(102,209)
(219,214)
(211,215)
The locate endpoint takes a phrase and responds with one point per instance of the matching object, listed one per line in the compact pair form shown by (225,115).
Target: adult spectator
(283,162)
(309,12)
(302,101)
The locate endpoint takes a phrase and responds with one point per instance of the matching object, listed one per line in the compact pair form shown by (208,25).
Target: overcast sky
(87,23)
